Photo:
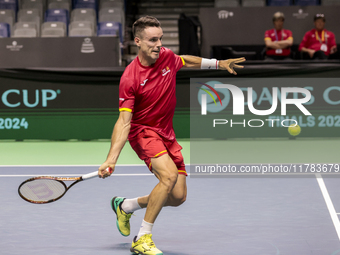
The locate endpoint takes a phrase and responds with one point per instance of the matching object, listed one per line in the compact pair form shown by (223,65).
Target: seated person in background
(319,43)
(278,40)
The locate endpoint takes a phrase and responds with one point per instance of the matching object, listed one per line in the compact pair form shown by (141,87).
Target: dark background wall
(246,26)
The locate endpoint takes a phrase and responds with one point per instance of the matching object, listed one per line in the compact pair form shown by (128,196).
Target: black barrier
(258,52)
(246,26)
(68,52)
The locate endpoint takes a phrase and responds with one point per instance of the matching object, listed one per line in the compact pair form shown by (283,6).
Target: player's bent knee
(169,180)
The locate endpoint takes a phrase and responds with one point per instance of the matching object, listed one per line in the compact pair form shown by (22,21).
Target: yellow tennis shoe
(123,218)
(144,246)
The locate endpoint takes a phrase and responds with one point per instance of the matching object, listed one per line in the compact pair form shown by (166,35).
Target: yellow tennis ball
(294,130)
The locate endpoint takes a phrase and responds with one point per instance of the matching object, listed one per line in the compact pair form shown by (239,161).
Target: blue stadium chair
(9,4)
(8,16)
(8,1)
(280,2)
(57,15)
(306,2)
(4,30)
(110,29)
(85,4)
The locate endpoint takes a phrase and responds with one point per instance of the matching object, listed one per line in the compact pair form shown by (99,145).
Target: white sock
(146,228)
(130,205)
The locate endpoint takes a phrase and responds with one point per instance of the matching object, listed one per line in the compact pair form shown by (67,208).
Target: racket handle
(94,174)
(90,175)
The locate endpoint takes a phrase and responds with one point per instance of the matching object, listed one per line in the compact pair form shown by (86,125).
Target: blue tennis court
(221,216)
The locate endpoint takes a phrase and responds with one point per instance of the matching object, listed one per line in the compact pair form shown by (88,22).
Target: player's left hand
(230,64)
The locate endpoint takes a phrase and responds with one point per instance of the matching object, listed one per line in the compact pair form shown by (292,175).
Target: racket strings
(42,190)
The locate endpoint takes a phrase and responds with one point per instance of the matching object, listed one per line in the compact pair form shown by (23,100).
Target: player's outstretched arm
(230,64)
(118,139)
(203,63)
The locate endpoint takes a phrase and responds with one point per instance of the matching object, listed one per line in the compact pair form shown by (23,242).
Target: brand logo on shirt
(283,34)
(165,71)
(121,99)
(143,83)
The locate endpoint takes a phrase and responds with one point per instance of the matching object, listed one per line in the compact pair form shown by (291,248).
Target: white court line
(329,204)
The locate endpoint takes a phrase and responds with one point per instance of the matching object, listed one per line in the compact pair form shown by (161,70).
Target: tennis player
(147,101)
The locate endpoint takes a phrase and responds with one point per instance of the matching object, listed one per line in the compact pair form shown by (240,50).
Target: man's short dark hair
(142,23)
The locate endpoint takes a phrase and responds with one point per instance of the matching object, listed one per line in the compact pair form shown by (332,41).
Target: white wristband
(209,63)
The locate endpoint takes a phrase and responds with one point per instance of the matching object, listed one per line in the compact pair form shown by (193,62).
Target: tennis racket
(47,189)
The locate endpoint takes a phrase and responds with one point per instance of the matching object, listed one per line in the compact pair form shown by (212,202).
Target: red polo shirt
(280,35)
(314,40)
(149,92)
